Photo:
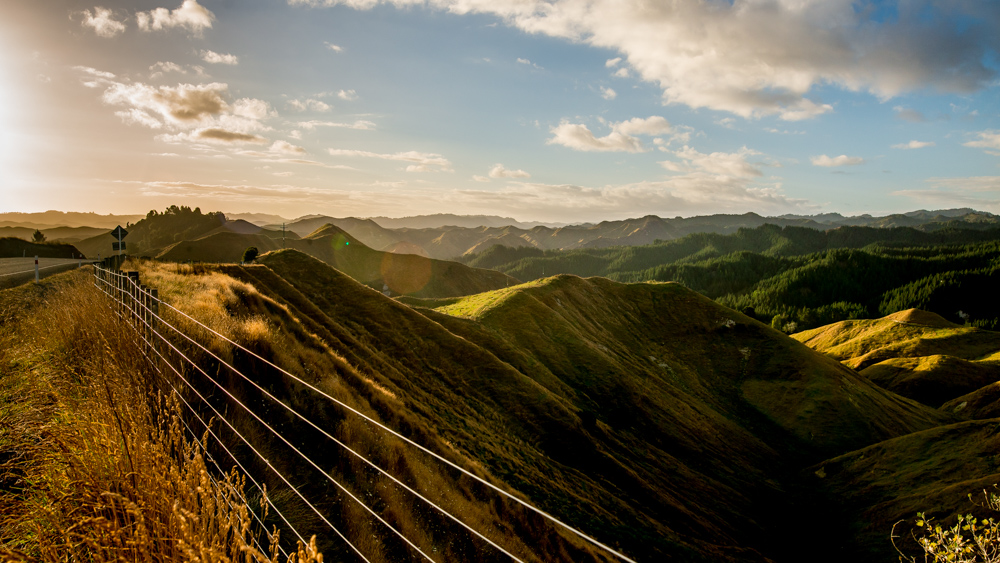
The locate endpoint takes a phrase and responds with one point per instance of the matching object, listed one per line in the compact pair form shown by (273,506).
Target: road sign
(119,233)
(118,246)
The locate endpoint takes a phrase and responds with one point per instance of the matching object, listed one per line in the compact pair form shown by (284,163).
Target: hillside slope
(646,414)
(11,247)
(399,274)
(913,353)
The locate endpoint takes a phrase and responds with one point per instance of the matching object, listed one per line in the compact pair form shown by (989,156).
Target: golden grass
(92,466)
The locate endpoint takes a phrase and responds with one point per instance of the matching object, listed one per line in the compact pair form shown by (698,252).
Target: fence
(186,363)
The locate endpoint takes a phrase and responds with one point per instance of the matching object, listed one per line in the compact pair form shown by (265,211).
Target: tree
(38,236)
(250,254)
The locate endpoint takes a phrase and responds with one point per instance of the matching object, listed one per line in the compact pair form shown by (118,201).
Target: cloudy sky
(553,110)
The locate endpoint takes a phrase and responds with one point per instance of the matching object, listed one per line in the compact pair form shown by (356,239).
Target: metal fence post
(154,312)
(133,294)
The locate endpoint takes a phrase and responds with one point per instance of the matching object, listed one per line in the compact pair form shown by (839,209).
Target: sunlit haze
(558,110)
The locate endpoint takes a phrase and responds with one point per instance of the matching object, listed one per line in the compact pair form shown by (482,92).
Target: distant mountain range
(48,219)
(449,242)
(446,236)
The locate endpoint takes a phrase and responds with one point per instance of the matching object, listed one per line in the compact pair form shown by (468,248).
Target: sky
(554,110)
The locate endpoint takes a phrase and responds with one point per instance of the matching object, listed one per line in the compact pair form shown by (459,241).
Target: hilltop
(918,355)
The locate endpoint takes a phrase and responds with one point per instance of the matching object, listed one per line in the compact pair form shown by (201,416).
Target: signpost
(119,233)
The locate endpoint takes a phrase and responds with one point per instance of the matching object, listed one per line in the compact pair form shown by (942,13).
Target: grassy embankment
(94,465)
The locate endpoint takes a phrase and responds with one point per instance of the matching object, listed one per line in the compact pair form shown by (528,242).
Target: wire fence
(207,375)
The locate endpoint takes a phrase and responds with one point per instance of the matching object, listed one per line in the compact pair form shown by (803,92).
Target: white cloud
(720,164)
(480,178)
(611,63)
(249,193)
(579,137)
(103,22)
(621,73)
(163,67)
(360,124)
(334,48)
(312,105)
(136,116)
(286,148)
(842,160)
(987,140)
(190,113)
(529,63)
(498,171)
(621,138)
(608,93)
(979,192)
(347,95)
(191,16)
(212,57)
(94,72)
(252,108)
(913,145)
(764,57)
(421,162)
(184,103)
(654,125)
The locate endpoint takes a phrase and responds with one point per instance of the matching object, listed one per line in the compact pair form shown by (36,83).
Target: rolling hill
(913,353)
(17,248)
(645,413)
(392,273)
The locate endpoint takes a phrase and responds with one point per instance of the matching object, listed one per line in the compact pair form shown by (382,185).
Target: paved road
(18,270)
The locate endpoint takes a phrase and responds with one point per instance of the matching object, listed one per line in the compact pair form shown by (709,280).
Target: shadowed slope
(933,471)
(932,380)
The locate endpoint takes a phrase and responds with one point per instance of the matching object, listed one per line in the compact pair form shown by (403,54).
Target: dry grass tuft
(94,464)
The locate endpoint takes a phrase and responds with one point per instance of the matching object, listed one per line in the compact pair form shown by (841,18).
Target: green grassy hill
(805,276)
(913,353)
(927,358)
(645,413)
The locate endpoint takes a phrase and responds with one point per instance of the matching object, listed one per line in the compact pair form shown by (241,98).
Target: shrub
(969,540)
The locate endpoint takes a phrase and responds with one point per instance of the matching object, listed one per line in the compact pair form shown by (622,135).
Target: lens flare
(405,273)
